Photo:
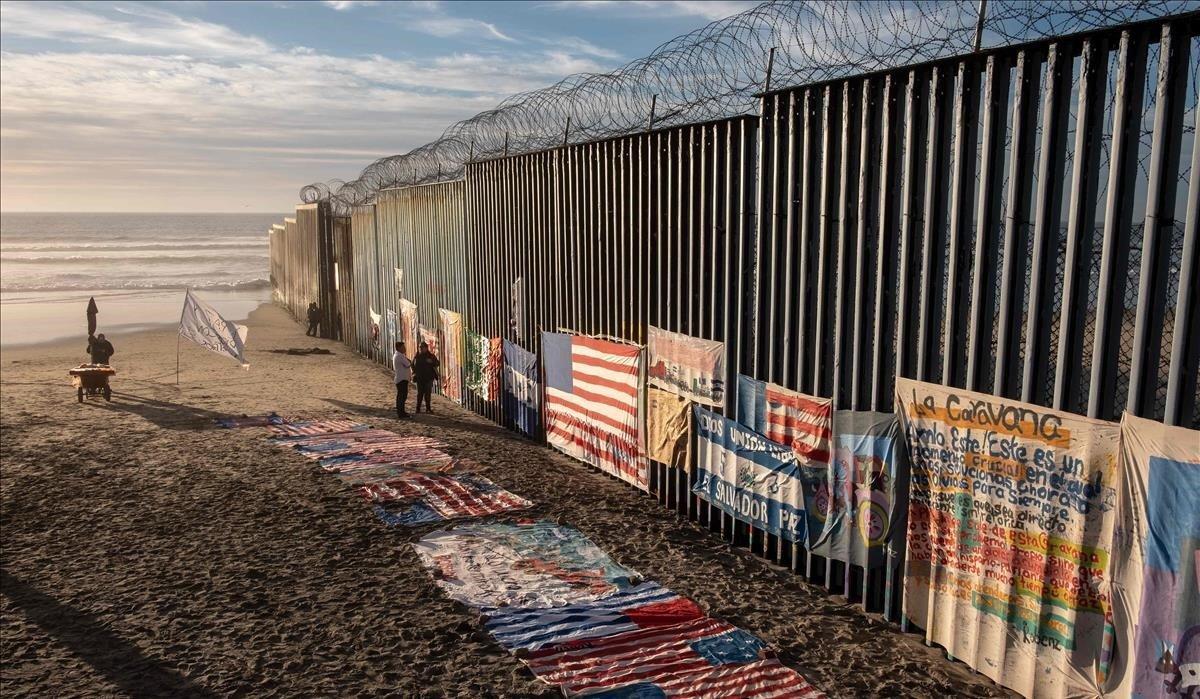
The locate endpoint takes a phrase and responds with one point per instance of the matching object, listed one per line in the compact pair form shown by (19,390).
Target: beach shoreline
(147,552)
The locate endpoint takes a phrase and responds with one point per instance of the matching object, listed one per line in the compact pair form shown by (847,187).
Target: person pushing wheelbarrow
(92,379)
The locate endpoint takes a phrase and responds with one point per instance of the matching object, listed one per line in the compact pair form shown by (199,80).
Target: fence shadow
(117,659)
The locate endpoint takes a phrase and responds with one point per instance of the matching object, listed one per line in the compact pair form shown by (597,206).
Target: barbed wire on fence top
(715,72)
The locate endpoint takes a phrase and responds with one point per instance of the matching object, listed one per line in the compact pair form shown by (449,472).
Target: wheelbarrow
(92,380)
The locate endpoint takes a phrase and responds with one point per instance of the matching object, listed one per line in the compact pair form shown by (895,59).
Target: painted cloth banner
(1156,562)
(485,357)
(796,420)
(391,326)
(1010,526)
(593,403)
(418,498)
(452,334)
(521,389)
(686,365)
(517,319)
(430,338)
(408,326)
(862,504)
(748,476)
(535,565)
(202,324)
(375,320)
(668,428)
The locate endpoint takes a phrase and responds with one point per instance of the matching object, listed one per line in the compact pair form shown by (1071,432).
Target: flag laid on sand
(796,420)
(449,497)
(641,606)
(521,388)
(408,456)
(308,428)
(372,442)
(249,421)
(593,406)
(201,324)
(702,657)
(385,470)
(535,565)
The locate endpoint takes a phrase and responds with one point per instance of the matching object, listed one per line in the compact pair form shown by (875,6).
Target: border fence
(1020,221)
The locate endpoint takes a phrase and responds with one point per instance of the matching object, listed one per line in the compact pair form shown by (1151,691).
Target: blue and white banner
(521,388)
(748,476)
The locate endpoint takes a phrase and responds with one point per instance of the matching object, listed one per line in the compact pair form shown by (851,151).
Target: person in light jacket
(402,366)
(425,372)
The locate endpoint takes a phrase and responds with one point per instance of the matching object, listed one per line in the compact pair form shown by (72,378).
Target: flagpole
(186,292)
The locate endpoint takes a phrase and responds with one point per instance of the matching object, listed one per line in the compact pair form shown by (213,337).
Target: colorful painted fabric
(702,657)
(450,497)
(641,606)
(534,565)
(308,428)
(394,457)
(380,472)
(521,389)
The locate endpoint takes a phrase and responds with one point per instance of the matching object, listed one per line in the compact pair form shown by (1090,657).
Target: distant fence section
(1020,221)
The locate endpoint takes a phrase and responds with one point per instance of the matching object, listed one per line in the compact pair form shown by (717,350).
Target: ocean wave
(241,256)
(100,285)
(110,247)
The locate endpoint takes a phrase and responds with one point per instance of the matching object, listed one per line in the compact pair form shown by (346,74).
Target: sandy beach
(147,552)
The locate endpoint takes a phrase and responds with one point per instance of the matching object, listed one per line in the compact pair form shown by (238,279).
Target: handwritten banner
(1010,526)
(748,476)
(452,333)
(1156,562)
(687,366)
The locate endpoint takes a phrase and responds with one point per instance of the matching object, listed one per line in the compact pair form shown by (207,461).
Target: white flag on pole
(201,324)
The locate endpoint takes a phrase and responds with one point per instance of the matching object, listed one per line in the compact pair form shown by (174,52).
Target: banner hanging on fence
(408,326)
(686,365)
(748,476)
(430,337)
(376,319)
(399,277)
(390,326)
(862,503)
(802,422)
(452,352)
(517,318)
(1156,562)
(1010,524)
(521,388)
(484,359)
(668,428)
(593,406)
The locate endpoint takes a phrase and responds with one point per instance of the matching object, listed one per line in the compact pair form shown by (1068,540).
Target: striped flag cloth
(796,420)
(412,456)
(450,497)
(250,421)
(372,472)
(366,442)
(308,428)
(702,657)
(593,406)
(645,605)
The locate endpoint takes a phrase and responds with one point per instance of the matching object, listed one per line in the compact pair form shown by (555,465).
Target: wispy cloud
(342,5)
(705,9)
(447,26)
(581,46)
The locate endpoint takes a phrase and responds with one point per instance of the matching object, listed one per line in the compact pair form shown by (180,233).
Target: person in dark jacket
(425,372)
(100,349)
(314,319)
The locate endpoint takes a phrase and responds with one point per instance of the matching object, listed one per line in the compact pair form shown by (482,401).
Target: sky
(232,107)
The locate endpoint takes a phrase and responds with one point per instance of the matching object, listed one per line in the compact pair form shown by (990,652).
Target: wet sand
(146,552)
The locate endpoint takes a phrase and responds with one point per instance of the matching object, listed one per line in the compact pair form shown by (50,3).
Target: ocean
(137,266)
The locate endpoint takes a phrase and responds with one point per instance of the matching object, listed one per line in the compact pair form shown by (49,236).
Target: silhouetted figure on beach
(100,349)
(402,366)
(425,372)
(314,319)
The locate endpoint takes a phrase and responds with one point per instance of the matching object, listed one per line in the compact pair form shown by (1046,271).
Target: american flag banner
(702,657)
(521,388)
(365,442)
(309,428)
(372,472)
(407,456)
(796,420)
(593,403)
(642,606)
(449,497)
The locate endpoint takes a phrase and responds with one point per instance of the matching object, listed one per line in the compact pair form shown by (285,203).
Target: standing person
(425,372)
(314,319)
(403,374)
(100,349)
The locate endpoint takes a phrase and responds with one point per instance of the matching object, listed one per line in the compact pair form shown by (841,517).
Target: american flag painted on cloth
(308,428)
(641,606)
(593,405)
(379,472)
(412,456)
(366,443)
(702,657)
(451,497)
(796,420)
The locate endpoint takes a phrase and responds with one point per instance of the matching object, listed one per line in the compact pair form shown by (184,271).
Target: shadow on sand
(441,420)
(85,636)
(165,414)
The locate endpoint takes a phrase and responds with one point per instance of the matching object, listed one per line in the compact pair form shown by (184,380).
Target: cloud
(705,9)
(342,5)
(582,46)
(446,26)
